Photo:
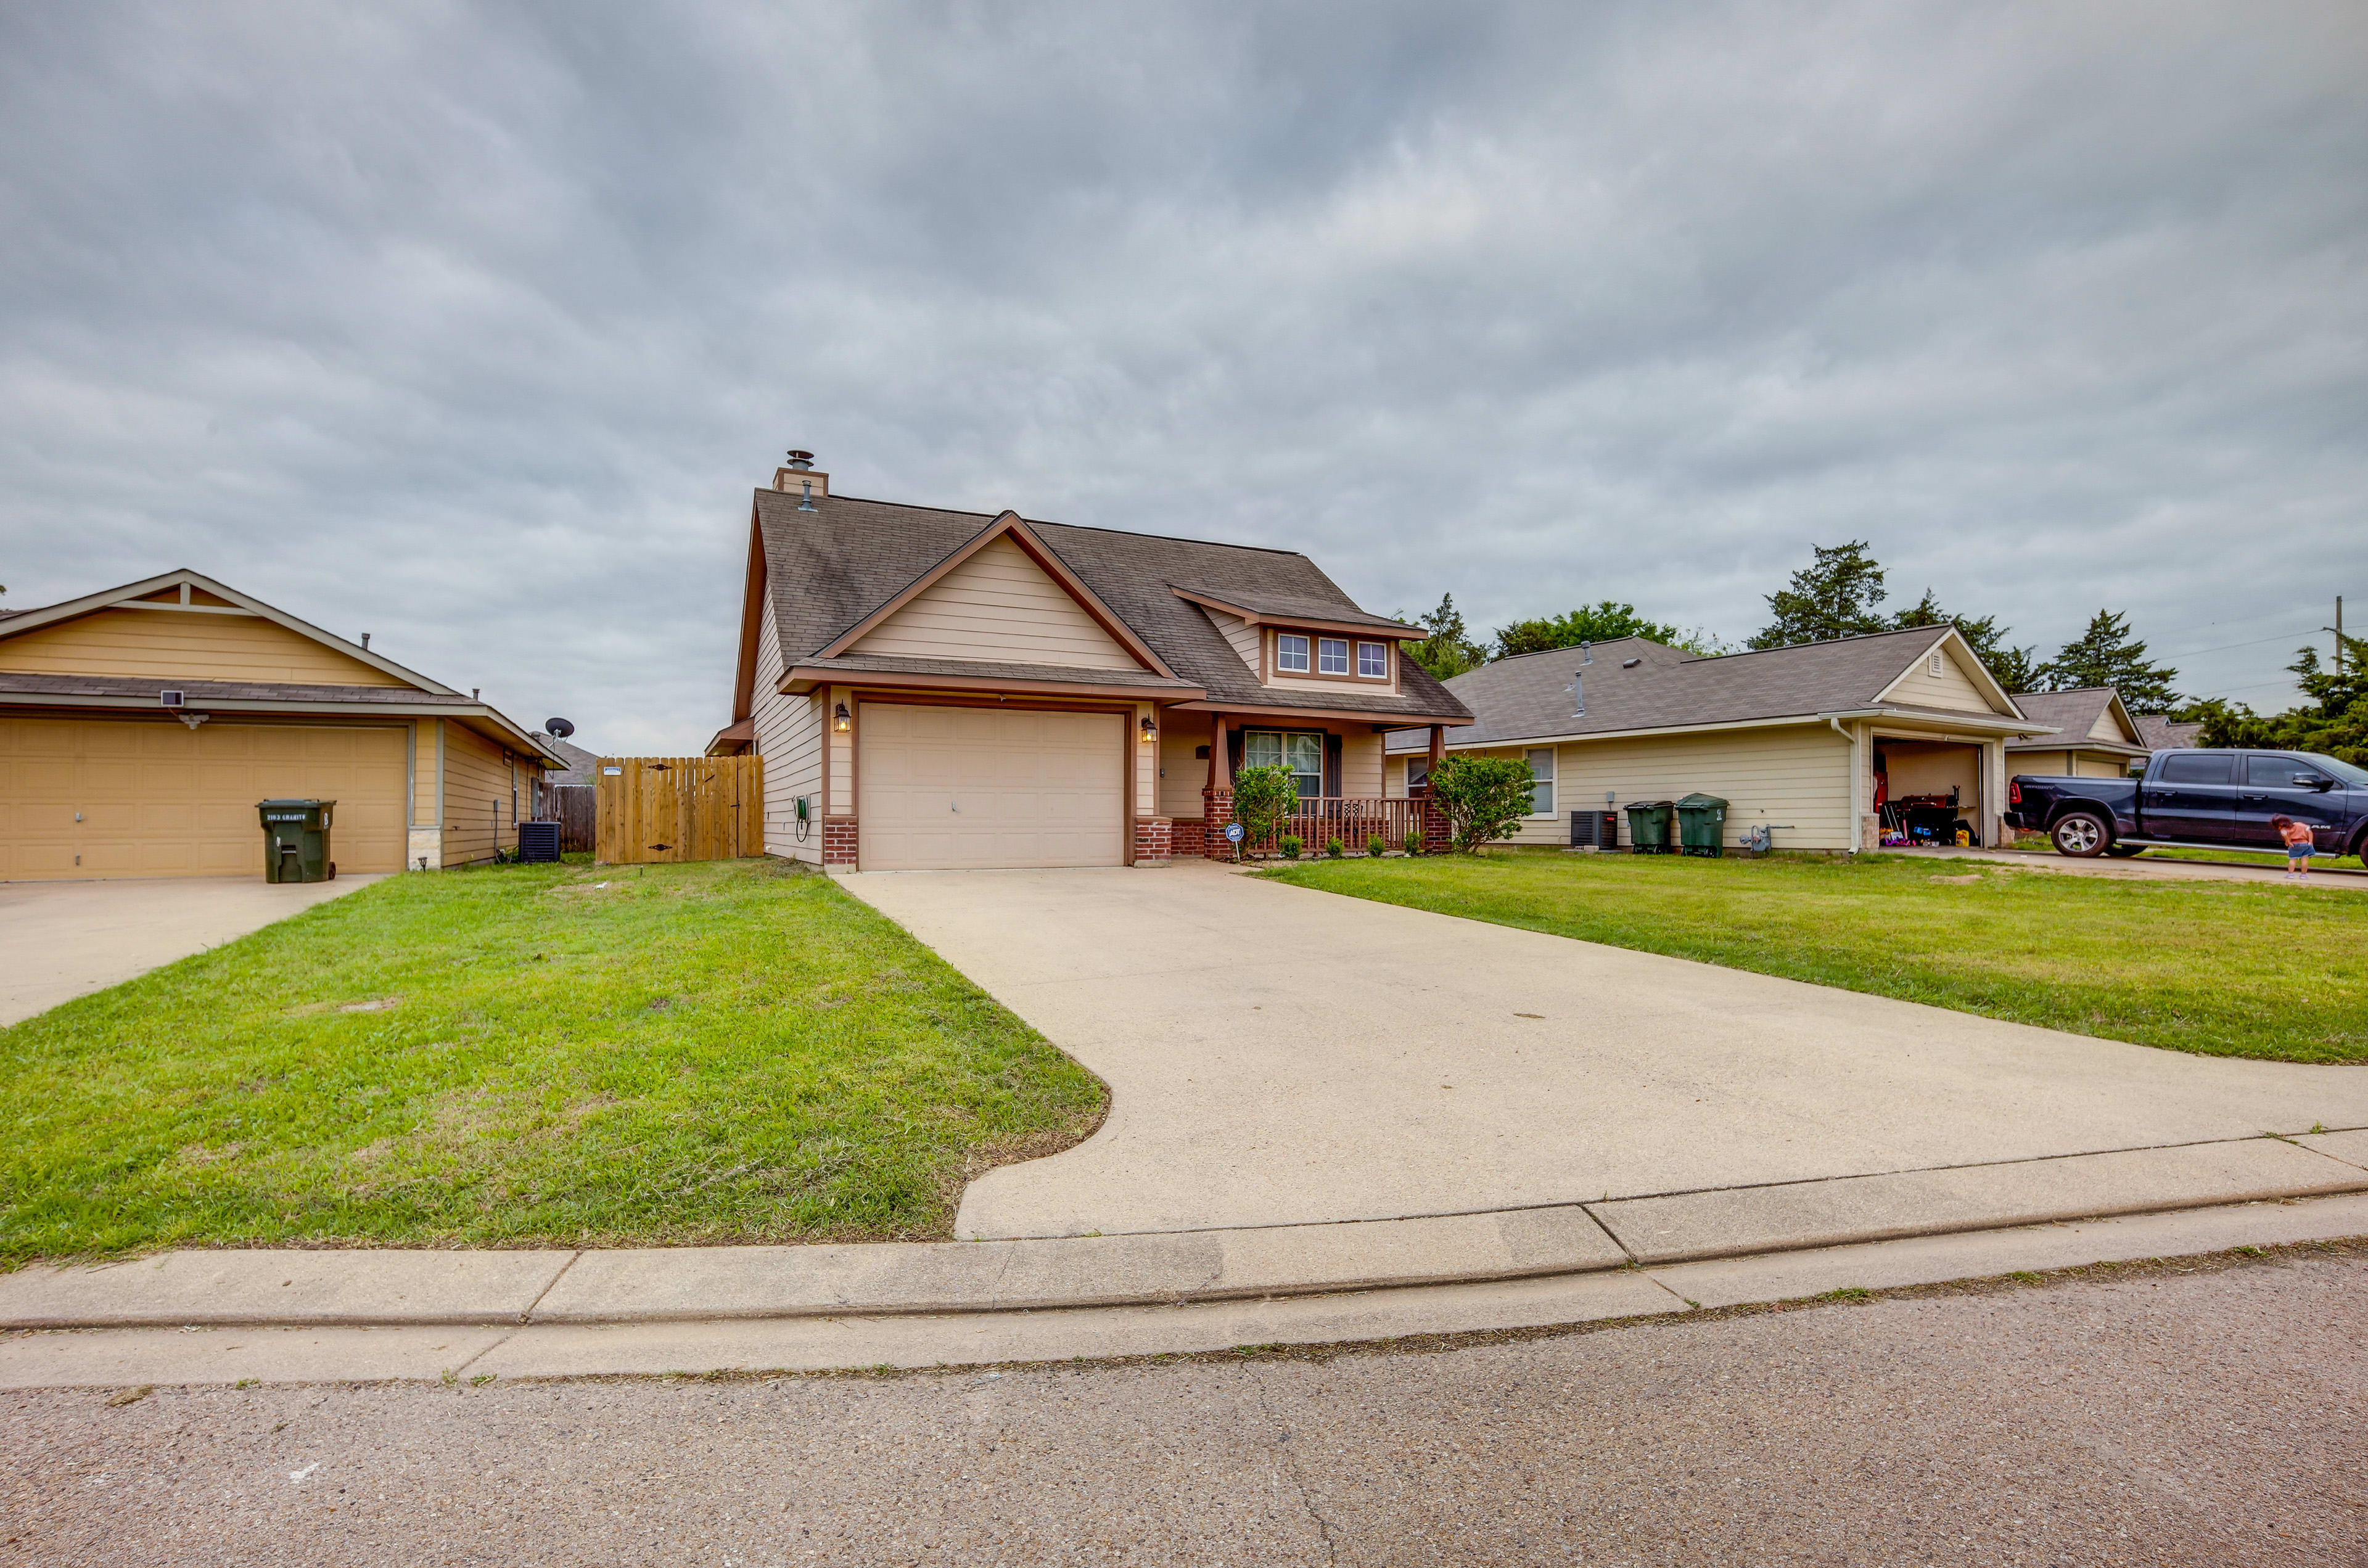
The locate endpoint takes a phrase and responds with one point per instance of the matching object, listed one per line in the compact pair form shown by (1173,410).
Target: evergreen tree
(1449,649)
(2106,654)
(1834,596)
(2011,667)
(1590,623)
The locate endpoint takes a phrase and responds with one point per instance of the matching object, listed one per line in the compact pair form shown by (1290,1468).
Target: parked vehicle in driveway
(2204,799)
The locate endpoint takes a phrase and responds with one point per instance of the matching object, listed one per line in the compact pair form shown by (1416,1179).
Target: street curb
(388,1288)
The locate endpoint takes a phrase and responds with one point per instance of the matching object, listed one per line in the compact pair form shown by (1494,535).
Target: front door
(2286,786)
(2193,796)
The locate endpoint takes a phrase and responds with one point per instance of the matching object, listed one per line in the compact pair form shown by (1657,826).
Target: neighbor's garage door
(158,799)
(972,787)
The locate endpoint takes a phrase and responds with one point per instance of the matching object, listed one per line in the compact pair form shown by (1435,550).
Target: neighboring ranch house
(2096,736)
(140,727)
(1802,740)
(934,688)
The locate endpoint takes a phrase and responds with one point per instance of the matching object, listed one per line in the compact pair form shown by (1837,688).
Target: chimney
(799,477)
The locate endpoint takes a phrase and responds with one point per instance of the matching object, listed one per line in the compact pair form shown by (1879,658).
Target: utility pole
(2337,629)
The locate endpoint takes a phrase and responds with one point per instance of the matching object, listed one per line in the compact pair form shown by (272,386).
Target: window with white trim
(1300,751)
(1418,774)
(1331,656)
(1542,781)
(1373,661)
(1291,653)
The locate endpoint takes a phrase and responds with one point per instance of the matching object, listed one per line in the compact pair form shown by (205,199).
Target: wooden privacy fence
(575,807)
(679,808)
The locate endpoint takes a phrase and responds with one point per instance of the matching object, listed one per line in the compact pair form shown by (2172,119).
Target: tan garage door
(156,799)
(942,788)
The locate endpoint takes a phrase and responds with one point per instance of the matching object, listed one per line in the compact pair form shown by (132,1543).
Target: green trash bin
(296,840)
(1701,823)
(1648,827)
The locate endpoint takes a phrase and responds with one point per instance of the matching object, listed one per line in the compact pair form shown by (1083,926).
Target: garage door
(156,799)
(972,787)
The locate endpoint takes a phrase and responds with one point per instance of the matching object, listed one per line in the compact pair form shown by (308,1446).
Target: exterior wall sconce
(1149,729)
(841,719)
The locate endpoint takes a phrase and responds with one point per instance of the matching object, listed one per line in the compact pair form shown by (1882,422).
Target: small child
(2299,847)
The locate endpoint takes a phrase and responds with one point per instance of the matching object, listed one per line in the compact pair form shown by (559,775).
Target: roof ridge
(1827,641)
(1049,523)
(1570,647)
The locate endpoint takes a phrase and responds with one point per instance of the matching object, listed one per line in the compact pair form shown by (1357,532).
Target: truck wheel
(2081,834)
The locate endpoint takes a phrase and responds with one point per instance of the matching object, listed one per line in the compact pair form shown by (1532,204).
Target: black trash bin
(1648,827)
(296,840)
(1701,823)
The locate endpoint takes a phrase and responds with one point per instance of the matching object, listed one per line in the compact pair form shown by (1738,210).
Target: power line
(2256,642)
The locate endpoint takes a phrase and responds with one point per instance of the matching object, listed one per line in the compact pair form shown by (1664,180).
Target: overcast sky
(474,326)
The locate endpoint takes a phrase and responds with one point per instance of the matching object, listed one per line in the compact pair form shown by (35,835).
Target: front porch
(1350,790)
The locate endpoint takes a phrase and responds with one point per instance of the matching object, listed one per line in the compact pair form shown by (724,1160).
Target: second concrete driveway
(1280,1056)
(61,940)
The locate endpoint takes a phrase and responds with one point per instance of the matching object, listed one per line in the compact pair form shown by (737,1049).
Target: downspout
(1852,737)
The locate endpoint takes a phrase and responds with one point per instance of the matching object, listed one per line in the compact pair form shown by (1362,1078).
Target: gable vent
(1934,661)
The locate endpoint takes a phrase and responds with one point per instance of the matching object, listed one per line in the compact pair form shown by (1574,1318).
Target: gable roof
(1258,608)
(1636,684)
(2075,714)
(834,571)
(191,582)
(416,695)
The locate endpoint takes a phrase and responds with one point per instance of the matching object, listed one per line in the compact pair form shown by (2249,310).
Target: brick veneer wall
(1216,811)
(838,841)
(1153,838)
(1188,837)
(1438,838)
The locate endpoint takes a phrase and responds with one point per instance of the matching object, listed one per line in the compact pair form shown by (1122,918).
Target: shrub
(1483,797)
(1262,798)
(1377,846)
(1335,849)
(1414,841)
(1291,846)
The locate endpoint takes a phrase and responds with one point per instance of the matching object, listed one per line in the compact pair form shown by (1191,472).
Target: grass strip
(2224,969)
(529,1055)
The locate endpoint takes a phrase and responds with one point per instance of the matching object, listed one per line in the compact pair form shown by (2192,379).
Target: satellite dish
(559,727)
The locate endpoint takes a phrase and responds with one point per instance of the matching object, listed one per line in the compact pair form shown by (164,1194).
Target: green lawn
(2229,969)
(529,1055)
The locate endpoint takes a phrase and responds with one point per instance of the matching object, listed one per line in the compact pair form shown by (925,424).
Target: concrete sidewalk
(61,940)
(229,1329)
(1278,1056)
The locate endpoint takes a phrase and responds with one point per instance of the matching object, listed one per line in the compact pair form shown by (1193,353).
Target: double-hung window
(1291,653)
(1373,661)
(1542,781)
(1331,656)
(1301,752)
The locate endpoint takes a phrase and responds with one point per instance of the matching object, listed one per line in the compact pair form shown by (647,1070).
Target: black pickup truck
(2203,799)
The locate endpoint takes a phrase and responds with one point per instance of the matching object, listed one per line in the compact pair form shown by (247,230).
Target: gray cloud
(472,326)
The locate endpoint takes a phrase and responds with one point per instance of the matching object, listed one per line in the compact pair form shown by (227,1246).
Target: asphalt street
(2207,1413)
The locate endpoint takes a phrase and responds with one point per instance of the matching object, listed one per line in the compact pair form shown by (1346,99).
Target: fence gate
(679,808)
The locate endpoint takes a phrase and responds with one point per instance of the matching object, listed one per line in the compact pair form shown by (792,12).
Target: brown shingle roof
(2074,713)
(2160,734)
(829,568)
(1529,695)
(202,691)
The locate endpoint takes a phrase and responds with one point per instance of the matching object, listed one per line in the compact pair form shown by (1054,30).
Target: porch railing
(1351,819)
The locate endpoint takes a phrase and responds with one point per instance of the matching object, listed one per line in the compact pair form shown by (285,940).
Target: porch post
(1438,744)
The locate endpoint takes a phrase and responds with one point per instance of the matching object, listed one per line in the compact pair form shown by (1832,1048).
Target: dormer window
(1290,653)
(1332,656)
(1373,661)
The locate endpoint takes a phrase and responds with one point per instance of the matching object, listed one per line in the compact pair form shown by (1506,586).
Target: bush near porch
(2224,969)
(531,1055)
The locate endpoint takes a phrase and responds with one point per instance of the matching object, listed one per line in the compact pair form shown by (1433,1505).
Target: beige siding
(2109,728)
(838,751)
(998,605)
(2094,767)
(789,737)
(1242,635)
(477,784)
(1182,775)
(1794,777)
(426,736)
(1361,766)
(1952,689)
(174,644)
(1393,785)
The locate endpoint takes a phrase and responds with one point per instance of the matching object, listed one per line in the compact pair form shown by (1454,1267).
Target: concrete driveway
(1281,1056)
(61,940)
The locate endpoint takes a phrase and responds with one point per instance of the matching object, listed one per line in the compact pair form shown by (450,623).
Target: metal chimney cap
(800,461)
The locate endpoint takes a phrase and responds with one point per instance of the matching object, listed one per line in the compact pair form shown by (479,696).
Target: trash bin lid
(1699,801)
(305,805)
(1648,805)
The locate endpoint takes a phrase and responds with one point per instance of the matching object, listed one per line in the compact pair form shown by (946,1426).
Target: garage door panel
(979,788)
(160,799)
